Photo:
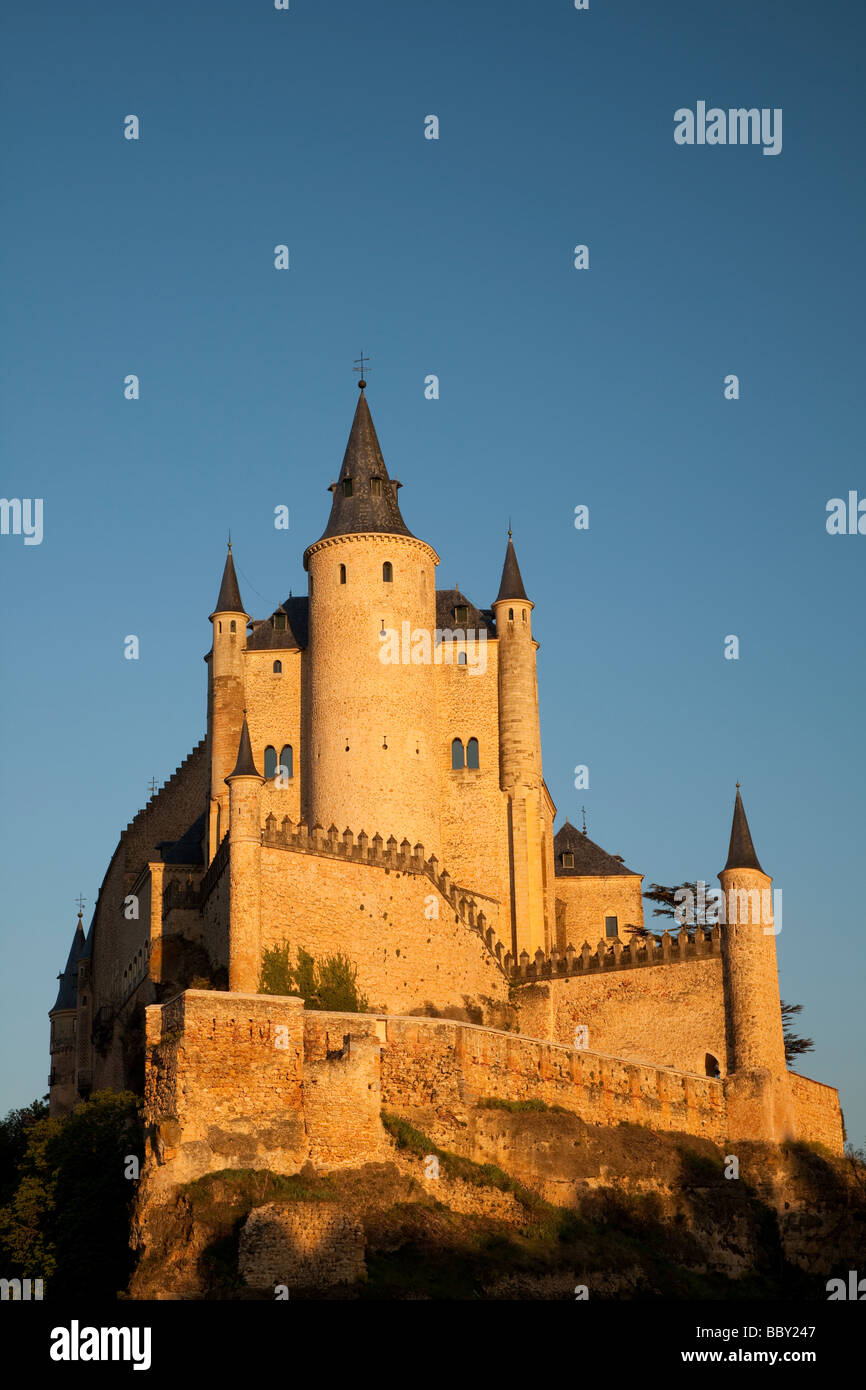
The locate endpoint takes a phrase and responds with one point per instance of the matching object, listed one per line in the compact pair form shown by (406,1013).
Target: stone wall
(584,900)
(668,1015)
(405,937)
(817,1114)
(300,1245)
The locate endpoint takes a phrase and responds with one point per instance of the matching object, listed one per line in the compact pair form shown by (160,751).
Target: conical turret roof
(365,497)
(741,852)
(245,765)
(67,994)
(229,600)
(512,584)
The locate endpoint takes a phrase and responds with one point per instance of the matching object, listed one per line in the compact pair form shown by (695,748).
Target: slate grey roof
(186,850)
(511,584)
(67,994)
(741,851)
(589,858)
(265,636)
(245,765)
(363,461)
(229,600)
(478,619)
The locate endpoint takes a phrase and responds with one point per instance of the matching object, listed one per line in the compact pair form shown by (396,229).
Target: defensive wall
(257,1081)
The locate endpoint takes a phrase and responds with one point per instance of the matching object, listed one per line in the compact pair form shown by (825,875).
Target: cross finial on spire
(153,785)
(80,902)
(583,813)
(230,539)
(359,367)
(509,528)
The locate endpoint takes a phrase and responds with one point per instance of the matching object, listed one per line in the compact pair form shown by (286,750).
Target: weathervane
(583,813)
(359,367)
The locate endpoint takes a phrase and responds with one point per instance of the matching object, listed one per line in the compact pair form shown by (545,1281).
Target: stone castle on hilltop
(370,785)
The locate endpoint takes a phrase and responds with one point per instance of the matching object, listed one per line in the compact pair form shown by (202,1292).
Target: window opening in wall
(347,487)
(461,613)
(456,753)
(280,622)
(387,572)
(711,1064)
(375,487)
(270,761)
(278,668)
(567,857)
(611,926)
(472,753)
(287,761)
(342,574)
(511,615)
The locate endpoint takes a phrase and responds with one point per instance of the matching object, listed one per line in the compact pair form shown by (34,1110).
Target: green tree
(276,975)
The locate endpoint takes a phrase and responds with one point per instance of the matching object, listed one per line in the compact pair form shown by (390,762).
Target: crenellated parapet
(669,949)
(390,854)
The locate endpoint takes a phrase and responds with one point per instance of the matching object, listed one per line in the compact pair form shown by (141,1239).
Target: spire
(245,765)
(67,994)
(229,600)
(365,498)
(741,854)
(512,584)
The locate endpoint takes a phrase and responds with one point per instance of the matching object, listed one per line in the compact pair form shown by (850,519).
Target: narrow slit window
(347,487)
(342,574)
(387,572)
(375,487)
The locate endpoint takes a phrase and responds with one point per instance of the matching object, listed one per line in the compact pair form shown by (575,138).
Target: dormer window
(280,621)
(461,613)
(375,487)
(347,487)
(567,857)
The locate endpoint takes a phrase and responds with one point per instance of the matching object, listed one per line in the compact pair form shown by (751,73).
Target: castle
(371,784)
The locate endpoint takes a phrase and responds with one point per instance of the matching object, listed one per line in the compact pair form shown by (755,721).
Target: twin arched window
(286,763)
(471,757)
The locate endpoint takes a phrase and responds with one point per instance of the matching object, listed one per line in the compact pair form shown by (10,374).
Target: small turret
(225,696)
(520,774)
(245,838)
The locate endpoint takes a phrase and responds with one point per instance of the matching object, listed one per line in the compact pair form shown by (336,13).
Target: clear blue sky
(558,387)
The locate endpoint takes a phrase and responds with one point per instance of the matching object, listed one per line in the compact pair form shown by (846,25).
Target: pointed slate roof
(589,858)
(67,994)
(363,461)
(292,633)
(245,765)
(741,852)
(512,584)
(478,619)
(229,600)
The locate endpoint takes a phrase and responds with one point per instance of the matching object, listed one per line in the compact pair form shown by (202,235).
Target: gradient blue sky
(558,387)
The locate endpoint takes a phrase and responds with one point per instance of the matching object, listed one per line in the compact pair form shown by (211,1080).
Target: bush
(331,985)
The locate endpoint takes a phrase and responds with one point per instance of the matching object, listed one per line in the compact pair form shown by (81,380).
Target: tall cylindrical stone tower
(225,703)
(520,773)
(245,853)
(753,1014)
(370,759)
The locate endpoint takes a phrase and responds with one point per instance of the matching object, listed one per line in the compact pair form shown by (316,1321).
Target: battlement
(171,782)
(390,855)
(610,956)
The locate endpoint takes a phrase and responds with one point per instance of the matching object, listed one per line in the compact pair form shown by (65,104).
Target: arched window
(342,574)
(511,615)
(220,626)
(387,572)
(270,761)
(233,626)
(524,615)
(456,753)
(287,761)
(472,753)
(711,1065)
(278,668)
(461,658)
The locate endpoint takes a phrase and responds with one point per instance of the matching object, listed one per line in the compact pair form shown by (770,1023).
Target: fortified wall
(257,1081)
(652,1001)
